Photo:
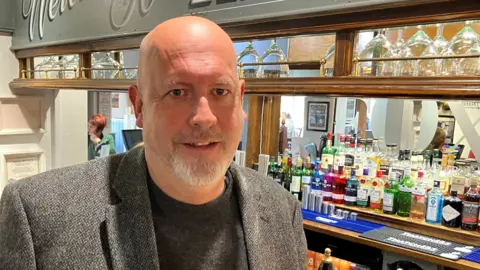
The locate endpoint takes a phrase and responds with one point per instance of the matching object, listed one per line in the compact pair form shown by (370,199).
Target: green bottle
(405,195)
(390,196)
(295,186)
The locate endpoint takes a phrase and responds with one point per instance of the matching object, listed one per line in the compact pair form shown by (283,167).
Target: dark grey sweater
(208,236)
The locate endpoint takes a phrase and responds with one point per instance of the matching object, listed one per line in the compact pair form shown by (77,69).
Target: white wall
(70,128)
(23,144)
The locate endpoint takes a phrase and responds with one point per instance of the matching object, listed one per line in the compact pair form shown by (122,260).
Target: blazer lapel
(129,223)
(255,219)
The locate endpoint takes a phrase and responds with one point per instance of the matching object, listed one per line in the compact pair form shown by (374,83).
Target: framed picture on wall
(317,116)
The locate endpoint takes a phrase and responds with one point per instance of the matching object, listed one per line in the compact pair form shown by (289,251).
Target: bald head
(171,43)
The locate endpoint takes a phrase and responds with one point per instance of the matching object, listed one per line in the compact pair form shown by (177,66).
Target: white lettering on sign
(38,8)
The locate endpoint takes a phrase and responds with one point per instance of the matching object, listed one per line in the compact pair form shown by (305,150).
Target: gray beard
(198,172)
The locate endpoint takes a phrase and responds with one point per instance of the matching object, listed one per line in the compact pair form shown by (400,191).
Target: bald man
(178,202)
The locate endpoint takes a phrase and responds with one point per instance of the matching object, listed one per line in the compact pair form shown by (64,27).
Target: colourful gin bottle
(434,204)
(351,189)
(363,191)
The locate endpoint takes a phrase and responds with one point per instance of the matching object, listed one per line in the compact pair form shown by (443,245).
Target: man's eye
(176,92)
(220,92)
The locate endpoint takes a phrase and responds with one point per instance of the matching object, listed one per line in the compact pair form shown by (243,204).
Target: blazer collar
(129,222)
(255,217)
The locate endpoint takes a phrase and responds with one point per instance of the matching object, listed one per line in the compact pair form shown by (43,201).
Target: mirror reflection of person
(289,123)
(97,139)
(438,140)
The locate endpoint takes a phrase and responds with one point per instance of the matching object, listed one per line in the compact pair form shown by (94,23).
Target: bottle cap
(353,173)
(436,183)
(379,174)
(365,171)
(420,174)
(453,193)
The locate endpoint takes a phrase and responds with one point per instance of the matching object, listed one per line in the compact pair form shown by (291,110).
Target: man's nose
(203,115)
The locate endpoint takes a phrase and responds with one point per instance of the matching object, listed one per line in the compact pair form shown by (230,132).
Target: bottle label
(449,213)
(470,212)
(388,199)
(397,174)
(326,160)
(458,185)
(339,161)
(362,194)
(405,189)
(317,184)
(306,180)
(350,198)
(375,196)
(384,169)
(443,184)
(295,185)
(326,194)
(349,160)
(372,167)
(351,190)
(337,196)
(432,209)
(327,186)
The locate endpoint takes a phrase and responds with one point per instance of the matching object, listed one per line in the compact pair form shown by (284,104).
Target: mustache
(199,135)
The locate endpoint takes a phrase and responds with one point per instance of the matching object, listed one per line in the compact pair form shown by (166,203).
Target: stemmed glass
(107,68)
(462,42)
(249,55)
(470,66)
(414,47)
(273,54)
(47,64)
(427,67)
(389,68)
(377,47)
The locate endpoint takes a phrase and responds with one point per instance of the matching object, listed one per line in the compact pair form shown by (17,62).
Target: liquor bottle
(339,186)
(287,173)
(351,189)
(327,263)
(328,153)
(307,172)
(360,161)
(434,204)
(363,191)
(451,211)
(470,211)
(350,155)
(417,210)
(405,195)
(295,186)
(397,169)
(340,153)
(373,162)
(279,176)
(318,177)
(328,180)
(376,192)
(390,196)
(445,176)
(386,160)
(272,169)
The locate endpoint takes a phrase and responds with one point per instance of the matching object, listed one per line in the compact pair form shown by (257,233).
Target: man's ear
(136,99)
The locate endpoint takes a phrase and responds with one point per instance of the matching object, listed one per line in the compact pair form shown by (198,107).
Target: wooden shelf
(386,87)
(355,237)
(418,226)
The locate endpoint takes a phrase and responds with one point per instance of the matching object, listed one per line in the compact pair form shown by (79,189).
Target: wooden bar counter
(451,234)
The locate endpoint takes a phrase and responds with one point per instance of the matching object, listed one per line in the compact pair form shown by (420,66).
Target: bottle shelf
(418,226)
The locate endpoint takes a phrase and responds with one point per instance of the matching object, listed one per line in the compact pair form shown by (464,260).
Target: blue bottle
(316,183)
(434,204)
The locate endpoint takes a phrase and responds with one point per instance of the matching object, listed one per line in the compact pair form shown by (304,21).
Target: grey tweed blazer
(97,215)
